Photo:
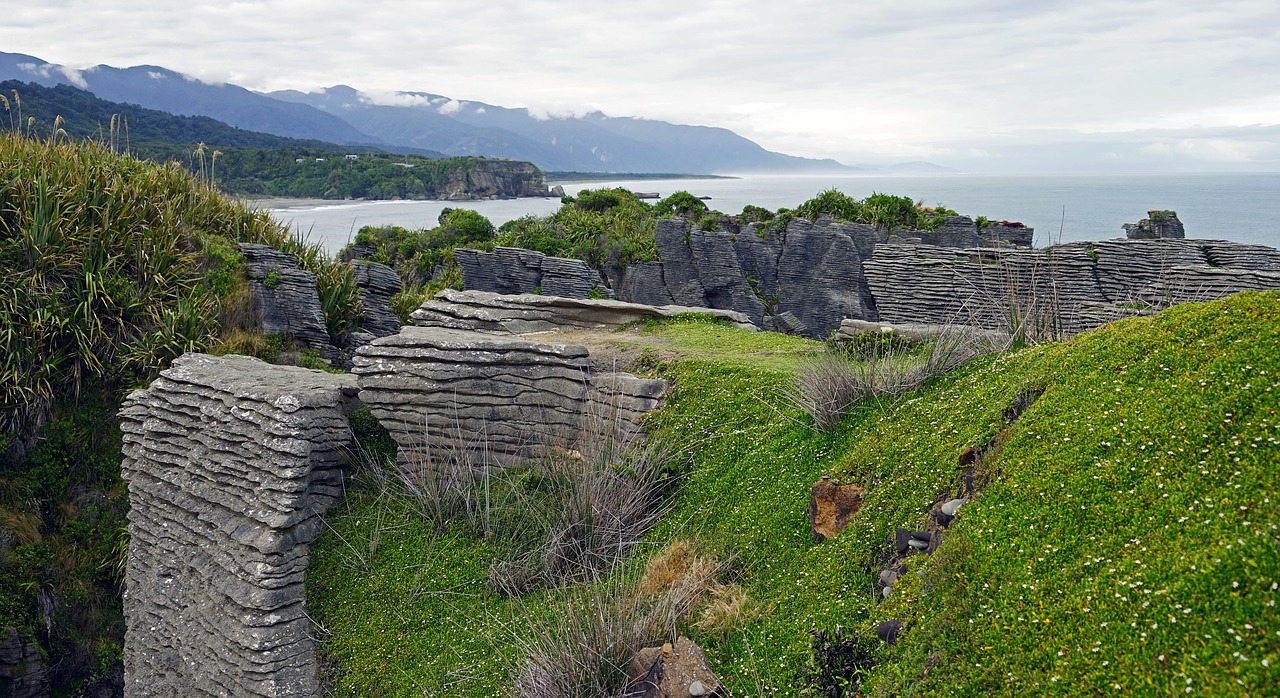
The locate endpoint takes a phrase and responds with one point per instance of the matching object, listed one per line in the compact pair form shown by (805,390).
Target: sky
(994,85)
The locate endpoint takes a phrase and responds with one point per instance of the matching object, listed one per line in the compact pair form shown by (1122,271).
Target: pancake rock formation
(230,464)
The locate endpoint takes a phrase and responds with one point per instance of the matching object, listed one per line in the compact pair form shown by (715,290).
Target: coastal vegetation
(1119,531)
(610,227)
(110,267)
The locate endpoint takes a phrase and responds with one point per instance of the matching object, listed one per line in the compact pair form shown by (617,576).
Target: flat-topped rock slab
(527,313)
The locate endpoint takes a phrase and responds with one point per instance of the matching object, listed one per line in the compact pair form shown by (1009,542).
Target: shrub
(831,202)
(830,384)
(682,204)
(840,661)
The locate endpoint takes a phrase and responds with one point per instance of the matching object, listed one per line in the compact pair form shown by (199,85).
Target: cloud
(813,77)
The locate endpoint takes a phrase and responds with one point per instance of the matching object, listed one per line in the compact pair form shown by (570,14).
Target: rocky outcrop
(1156,226)
(230,463)
(22,670)
(963,231)
(525,313)
(494,179)
(377,283)
(285,299)
(510,270)
(447,390)
(1065,288)
(802,277)
(916,332)
(805,277)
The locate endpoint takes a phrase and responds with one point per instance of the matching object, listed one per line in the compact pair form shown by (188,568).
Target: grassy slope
(1143,475)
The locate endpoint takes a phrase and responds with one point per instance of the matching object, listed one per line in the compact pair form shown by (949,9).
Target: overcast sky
(988,85)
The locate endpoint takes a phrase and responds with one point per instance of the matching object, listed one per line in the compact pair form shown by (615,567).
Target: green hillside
(1125,539)
(237,161)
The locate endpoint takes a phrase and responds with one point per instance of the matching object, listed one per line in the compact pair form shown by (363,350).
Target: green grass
(708,338)
(1129,481)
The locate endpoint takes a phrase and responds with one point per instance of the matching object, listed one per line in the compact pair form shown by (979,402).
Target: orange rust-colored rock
(830,506)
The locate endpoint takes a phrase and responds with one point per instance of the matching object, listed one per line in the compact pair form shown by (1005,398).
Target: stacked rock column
(230,463)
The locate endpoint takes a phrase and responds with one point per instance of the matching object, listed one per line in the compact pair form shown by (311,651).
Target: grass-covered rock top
(1125,539)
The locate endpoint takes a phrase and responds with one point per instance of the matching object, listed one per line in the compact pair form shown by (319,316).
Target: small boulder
(889,631)
(906,541)
(952,506)
(672,671)
(830,506)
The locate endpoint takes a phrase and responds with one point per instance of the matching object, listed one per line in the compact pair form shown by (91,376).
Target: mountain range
(423,122)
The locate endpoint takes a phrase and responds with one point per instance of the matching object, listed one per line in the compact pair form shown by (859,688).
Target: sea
(1237,207)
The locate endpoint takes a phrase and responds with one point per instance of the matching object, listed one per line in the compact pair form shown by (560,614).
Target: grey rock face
(509,270)
(1157,225)
(1071,287)
(230,463)
(641,283)
(521,314)
(806,277)
(820,274)
(22,670)
(570,278)
(377,283)
(505,270)
(285,298)
(442,390)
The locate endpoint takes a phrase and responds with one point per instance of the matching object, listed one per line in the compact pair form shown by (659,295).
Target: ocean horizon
(1237,207)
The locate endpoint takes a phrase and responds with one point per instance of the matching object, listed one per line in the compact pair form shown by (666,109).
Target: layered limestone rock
(805,277)
(377,283)
(1157,225)
(916,332)
(22,670)
(441,391)
(285,298)
(1071,287)
(525,313)
(963,232)
(230,463)
(510,270)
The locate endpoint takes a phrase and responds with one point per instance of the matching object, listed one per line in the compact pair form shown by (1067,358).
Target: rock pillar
(230,463)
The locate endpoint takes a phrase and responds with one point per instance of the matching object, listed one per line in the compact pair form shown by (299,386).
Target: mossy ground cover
(1127,536)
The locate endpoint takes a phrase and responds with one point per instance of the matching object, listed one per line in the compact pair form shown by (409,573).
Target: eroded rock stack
(495,313)
(1157,225)
(443,391)
(230,463)
(1067,288)
(510,270)
(285,298)
(802,277)
(377,283)
(805,277)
